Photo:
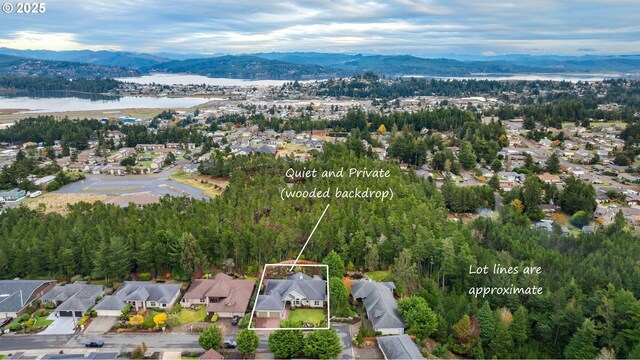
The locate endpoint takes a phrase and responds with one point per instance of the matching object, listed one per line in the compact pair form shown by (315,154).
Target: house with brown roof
(222,295)
(550,178)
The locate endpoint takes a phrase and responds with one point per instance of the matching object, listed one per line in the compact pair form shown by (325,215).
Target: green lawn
(187,316)
(377,275)
(314,316)
(42,322)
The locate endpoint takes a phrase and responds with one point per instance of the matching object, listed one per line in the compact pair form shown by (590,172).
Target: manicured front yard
(377,275)
(314,316)
(186,316)
(42,322)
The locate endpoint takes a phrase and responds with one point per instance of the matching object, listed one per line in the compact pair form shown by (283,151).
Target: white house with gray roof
(73,300)
(16,295)
(141,295)
(380,304)
(298,290)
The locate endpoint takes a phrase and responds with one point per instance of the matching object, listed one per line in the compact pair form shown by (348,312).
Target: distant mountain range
(300,65)
(19,66)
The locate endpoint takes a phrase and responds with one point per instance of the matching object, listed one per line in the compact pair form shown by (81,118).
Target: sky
(421,28)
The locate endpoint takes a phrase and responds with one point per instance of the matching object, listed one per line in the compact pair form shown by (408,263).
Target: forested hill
(591,282)
(17,66)
(58,83)
(247,67)
(104,58)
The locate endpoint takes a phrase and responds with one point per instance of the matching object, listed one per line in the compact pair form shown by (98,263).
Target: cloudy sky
(424,28)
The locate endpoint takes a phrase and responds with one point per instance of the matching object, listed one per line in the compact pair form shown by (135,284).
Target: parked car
(230,344)
(5,321)
(234,320)
(94,343)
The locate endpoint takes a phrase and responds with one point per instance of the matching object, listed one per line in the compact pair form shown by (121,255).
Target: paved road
(33,342)
(155,342)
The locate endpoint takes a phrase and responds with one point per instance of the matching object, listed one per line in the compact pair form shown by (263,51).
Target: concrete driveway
(100,324)
(60,326)
(345,337)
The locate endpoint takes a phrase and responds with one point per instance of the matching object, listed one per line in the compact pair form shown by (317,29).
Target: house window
(152,303)
(164,305)
(316,303)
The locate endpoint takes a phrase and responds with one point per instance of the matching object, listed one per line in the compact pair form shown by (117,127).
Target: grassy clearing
(211,187)
(314,316)
(186,316)
(377,275)
(57,203)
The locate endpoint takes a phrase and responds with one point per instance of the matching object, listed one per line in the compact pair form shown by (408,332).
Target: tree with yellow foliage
(136,320)
(160,319)
(382,130)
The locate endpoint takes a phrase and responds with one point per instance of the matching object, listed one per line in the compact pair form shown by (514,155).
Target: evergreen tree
(467,157)
(519,326)
(286,344)
(322,344)
(191,258)
(211,338)
(248,341)
(486,322)
(582,343)
(405,272)
(335,263)
(502,344)
(553,164)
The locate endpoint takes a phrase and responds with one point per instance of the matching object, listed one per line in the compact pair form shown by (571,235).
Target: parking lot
(121,186)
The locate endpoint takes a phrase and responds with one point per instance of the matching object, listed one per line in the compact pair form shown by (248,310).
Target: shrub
(144,276)
(38,313)
(139,351)
(125,312)
(23,318)
(214,318)
(136,320)
(15,326)
(439,350)
(148,322)
(83,320)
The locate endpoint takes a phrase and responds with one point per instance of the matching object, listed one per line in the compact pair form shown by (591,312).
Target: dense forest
(590,282)
(49,84)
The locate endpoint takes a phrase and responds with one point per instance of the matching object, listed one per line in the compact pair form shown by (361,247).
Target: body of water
(186,79)
(62,104)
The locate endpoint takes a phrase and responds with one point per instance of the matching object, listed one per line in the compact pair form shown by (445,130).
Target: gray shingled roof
(277,291)
(74,297)
(138,291)
(379,302)
(15,294)
(399,347)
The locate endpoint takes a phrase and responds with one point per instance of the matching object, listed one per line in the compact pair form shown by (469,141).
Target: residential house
(16,295)
(298,290)
(222,295)
(399,347)
(509,176)
(211,354)
(628,178)
(190,168)
(546,225)
(73,300)
(12,195)
(550,178)
(141,295)
(380,304)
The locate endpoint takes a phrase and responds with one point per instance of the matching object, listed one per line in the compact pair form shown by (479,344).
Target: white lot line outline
(260,288)
(310,235)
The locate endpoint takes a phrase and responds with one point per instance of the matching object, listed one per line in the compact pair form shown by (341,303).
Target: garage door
(108,312)
(78,313)
(268,314)
(66,313)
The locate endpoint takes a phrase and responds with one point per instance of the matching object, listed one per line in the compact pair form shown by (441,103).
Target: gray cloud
(430,27)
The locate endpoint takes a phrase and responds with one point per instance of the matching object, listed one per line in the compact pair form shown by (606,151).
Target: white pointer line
(310,235)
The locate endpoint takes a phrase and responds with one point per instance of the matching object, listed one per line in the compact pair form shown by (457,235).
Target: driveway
(60,326)
(100,324)
(345,338)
